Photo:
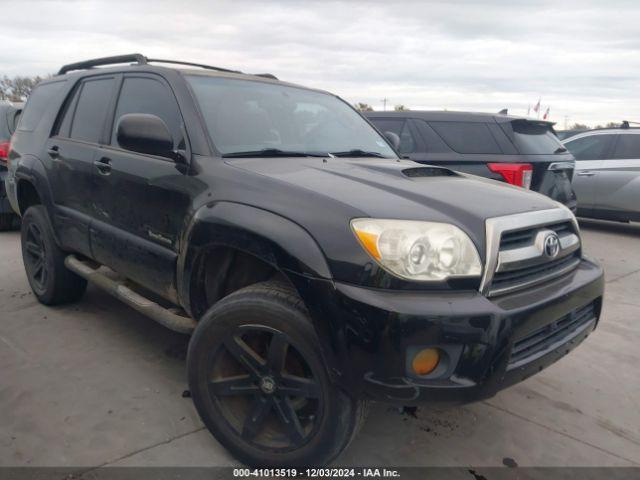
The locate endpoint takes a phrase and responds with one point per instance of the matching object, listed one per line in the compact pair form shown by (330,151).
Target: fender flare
(277,241)
(30,169)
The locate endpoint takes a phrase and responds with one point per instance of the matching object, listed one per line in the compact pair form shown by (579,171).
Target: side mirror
(393,139)
(144,133)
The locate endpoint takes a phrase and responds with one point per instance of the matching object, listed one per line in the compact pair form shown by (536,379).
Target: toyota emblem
(551,245)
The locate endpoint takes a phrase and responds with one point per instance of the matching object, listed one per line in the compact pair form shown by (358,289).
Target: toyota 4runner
(315,269)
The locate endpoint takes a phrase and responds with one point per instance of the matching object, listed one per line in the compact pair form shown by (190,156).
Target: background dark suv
(517,150)
(9,115)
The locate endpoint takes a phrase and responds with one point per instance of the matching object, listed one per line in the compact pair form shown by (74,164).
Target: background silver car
(607,173)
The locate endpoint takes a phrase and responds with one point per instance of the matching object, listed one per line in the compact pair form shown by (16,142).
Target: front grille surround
(515,258)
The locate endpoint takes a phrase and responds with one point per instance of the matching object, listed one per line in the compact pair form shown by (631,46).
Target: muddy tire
(52,283)
(260,385)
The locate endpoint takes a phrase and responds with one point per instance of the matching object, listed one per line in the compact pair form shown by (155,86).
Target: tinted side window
(628,146)
(467,137)
(432,139)
(146,95)
(401,128)
(91,110)
(37,105)
(593,147)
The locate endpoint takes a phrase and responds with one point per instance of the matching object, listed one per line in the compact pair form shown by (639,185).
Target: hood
(387,188)
(323,195)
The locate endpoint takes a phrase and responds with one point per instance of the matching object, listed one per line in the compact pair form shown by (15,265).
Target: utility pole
(566,122)
(384,104)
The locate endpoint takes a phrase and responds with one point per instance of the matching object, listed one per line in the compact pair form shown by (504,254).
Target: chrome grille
(520,238)
(516,252)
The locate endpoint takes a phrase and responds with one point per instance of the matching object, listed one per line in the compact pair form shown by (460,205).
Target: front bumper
(366,334)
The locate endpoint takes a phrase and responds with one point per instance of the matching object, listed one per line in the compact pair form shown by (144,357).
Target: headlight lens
(418,250)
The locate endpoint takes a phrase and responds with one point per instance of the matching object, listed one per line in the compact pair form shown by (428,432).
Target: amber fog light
(425,361)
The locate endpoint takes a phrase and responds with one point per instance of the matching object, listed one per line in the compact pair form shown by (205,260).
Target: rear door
(589,151)
(618,178)
(72,149)
(142,200)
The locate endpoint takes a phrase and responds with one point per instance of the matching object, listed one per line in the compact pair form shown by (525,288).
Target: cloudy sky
(582,57)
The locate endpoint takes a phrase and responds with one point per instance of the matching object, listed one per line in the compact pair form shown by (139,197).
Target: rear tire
(52,283)
(260,385)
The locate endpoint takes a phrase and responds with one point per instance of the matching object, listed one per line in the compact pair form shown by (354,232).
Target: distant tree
(579,126)
(612,125)
(18,88)
(363,107)
(400,108)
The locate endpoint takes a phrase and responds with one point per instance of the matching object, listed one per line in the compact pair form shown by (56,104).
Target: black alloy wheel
(265,388)
(260,383)
(52,283)
(35,257)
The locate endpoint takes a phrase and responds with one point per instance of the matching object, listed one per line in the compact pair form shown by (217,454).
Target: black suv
(516,150)
(9,115)
(316,269)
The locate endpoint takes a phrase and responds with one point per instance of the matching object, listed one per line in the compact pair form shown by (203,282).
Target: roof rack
(627,124)
(87,64)
(265,75)
(190,64)
(139,59)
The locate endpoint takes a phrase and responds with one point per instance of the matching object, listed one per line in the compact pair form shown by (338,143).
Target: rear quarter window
(467,137)
(37,105)
(533,138)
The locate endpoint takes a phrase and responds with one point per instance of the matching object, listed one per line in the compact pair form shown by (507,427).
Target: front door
(589,152)
(618,184)
(143,199)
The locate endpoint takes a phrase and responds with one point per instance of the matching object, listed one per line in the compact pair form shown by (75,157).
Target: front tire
(260,385)
(51,282)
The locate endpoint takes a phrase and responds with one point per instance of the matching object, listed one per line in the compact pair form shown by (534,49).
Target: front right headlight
(418,251)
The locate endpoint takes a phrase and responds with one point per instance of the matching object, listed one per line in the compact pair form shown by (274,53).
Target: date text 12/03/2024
(316,472)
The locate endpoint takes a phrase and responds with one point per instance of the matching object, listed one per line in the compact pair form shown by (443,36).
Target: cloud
(581,57)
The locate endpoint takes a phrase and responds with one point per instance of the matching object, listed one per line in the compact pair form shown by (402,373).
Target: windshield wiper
(357,152)
(272,152)
(561,150)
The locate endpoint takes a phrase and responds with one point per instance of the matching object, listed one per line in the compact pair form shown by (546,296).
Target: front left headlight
(414,250)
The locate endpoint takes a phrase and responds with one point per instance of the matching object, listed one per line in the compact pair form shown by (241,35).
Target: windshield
(534,138)
(250,116)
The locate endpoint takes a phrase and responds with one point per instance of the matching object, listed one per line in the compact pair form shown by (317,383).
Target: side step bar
(118,289)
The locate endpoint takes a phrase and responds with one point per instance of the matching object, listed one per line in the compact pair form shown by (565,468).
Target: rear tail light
(4,153)
(518,174)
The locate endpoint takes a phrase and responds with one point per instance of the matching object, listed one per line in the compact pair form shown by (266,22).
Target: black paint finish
(150,218)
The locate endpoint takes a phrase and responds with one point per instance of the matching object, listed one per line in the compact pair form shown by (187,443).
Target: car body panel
(607,187)
(151,218)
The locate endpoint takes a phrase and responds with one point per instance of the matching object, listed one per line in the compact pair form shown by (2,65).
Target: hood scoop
(417,172)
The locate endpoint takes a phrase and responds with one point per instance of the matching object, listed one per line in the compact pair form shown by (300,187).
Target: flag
(546,114)
(536,107)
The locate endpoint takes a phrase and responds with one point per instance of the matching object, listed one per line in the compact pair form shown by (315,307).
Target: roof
(139,62)
(452,116)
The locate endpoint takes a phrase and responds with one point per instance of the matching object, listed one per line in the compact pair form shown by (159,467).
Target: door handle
(103,165)
(586,173)
(54,152)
